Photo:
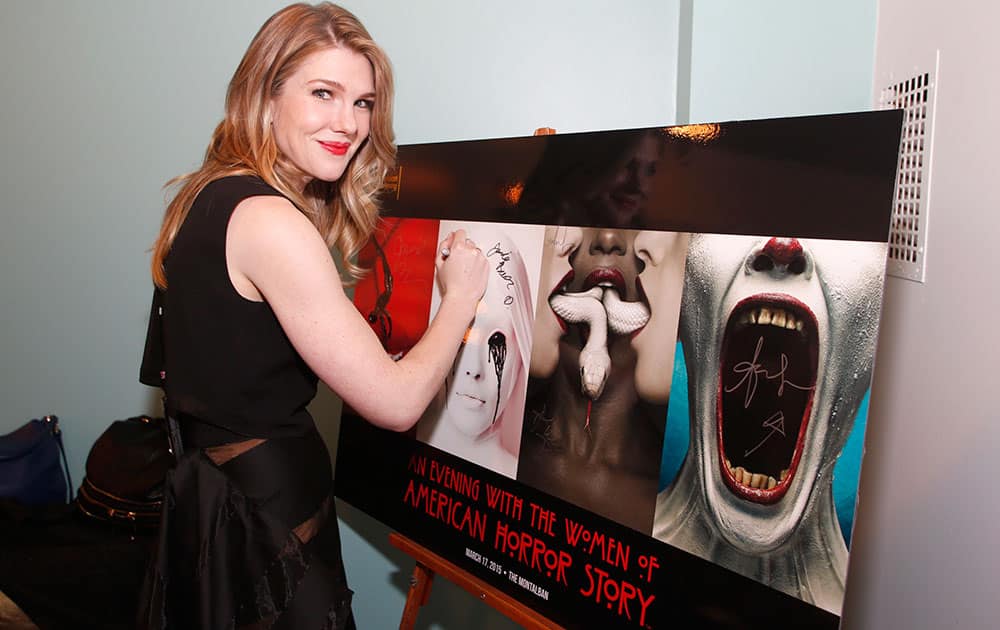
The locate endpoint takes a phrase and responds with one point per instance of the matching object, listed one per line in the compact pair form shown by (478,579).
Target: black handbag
(125,472)
(33,467)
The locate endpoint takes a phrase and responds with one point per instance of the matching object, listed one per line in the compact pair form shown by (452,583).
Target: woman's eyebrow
(338,86)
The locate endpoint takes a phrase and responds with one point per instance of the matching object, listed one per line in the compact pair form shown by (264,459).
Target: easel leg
(420,590)
(429,563)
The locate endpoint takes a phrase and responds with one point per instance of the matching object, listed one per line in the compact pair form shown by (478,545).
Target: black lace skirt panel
(248,540)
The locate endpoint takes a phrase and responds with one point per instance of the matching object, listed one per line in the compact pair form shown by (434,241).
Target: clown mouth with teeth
(593,437)
(768,368)
(779,340)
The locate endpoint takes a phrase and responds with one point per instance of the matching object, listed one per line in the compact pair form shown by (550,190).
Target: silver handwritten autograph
(777,425)
(750,372)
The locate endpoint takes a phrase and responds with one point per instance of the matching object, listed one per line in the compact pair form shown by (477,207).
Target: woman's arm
(274,253)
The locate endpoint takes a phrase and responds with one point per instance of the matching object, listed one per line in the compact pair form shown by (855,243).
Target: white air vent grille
(915,94)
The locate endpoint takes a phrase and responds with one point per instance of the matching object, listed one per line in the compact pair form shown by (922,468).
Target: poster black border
(830,177)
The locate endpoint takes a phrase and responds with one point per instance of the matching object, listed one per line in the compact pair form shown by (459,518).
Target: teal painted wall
(771,58)
(103,102)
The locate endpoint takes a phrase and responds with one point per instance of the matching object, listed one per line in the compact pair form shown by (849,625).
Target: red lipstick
(336,148)
(609,275)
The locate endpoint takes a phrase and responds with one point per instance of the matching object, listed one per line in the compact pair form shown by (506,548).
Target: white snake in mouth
(600,308)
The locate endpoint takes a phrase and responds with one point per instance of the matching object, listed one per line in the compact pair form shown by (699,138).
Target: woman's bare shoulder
(276,247)
(271,225)
(268,212)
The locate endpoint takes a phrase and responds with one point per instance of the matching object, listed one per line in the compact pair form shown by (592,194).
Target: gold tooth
(738,474)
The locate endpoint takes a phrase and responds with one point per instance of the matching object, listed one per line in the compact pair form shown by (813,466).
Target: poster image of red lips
(699,342)
(602,355)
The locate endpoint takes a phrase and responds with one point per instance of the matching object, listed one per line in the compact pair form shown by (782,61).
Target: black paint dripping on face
(498,355)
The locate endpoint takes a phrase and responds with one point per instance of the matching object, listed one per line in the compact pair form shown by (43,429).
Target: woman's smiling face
(322,115)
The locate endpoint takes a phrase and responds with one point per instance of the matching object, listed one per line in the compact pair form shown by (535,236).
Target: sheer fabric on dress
(249,540)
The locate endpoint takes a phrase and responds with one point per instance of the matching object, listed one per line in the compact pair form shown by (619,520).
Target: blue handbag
(33,467)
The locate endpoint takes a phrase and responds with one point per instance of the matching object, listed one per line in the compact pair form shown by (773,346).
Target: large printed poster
(656,417)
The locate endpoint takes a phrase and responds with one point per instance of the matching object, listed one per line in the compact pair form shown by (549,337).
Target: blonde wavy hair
(345,211)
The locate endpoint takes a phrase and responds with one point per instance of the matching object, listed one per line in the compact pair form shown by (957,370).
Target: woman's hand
(462,270)
(274,253)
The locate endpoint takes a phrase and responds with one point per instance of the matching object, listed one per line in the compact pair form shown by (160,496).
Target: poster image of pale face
(604,339)
(479,412)
(779,339)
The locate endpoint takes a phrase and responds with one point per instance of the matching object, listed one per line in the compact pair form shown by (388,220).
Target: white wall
(102,102)
(926,553)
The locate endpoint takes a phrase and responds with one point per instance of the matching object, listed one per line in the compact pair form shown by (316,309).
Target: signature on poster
(752,369)
(504,258)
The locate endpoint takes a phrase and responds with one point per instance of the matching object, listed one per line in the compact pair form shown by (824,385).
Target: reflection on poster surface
(779,341)
(597,179)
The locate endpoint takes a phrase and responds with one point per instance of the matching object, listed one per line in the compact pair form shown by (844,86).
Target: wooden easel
(429,564)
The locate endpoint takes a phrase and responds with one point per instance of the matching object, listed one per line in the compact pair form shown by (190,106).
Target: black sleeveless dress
(248,535)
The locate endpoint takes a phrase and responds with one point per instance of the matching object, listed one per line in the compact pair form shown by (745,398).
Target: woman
(254,312)
(478,415)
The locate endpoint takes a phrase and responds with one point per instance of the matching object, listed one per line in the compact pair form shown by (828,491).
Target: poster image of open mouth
(656,418)
(778,337)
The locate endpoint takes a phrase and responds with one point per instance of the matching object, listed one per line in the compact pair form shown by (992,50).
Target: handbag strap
(173,432)
(52,422)
(156,353)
